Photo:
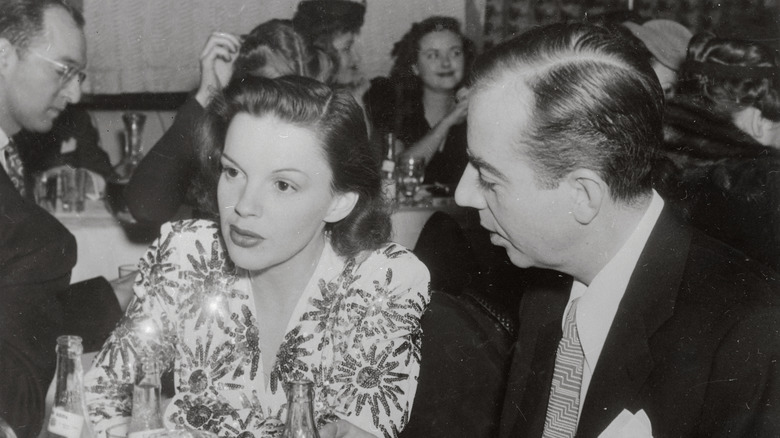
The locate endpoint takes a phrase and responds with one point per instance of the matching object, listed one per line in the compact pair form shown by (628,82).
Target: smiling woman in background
(294,281)
(420,104)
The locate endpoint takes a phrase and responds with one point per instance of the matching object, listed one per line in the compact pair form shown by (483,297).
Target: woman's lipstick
(244,238)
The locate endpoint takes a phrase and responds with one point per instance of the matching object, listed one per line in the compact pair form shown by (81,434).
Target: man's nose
(467,194)
(72,91)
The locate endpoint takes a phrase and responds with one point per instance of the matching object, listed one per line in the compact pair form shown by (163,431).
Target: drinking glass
(128,269)
(411,172)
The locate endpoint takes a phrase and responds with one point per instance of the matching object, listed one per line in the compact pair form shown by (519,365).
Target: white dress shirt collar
(596,310)
(4,140)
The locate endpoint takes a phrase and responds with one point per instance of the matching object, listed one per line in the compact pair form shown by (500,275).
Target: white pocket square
(628,425)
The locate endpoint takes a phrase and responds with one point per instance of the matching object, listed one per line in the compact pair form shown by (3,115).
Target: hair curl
(321,21)
(21,21)
(274,42)
(337,121)
(732,94)
(597,104)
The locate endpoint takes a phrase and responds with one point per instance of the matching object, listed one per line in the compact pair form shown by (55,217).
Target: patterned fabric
(14,166)
(506,18)
(564,404)
(355,333)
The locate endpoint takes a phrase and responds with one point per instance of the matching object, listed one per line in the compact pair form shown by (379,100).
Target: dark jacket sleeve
(22,394)
(90,310)
(160,183)
(463,371)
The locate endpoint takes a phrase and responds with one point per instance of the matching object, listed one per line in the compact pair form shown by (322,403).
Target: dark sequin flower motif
(289,365)
(247,342)
(371,380)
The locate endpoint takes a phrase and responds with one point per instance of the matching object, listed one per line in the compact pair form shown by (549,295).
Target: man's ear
(342,206)
(589,192)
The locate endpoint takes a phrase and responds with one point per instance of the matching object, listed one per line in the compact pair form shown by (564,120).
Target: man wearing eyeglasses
(42,60)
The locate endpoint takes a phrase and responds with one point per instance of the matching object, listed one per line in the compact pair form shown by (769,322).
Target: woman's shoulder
(188,235)
(395,260)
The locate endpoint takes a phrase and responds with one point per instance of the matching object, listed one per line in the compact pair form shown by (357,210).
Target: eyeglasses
(66,72)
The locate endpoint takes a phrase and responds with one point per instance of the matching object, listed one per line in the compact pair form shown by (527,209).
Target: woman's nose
(249,203)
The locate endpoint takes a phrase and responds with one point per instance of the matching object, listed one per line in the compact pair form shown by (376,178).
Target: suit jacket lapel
(626,360)
(534,358)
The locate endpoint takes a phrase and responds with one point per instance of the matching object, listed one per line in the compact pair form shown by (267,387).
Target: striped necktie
(14,167)
(564,403)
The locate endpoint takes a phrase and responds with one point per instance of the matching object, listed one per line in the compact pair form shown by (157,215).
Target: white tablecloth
(104,244)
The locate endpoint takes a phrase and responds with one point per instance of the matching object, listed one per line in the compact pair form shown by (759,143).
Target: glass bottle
(300,411)
(388,168)
(146,419)
(69,410)
(133,148)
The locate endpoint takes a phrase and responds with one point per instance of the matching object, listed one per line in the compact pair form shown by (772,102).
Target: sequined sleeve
(145,327)
(373,379)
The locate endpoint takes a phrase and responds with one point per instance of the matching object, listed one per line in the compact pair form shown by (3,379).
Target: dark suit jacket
(465,355)
(37,305)
(694,343)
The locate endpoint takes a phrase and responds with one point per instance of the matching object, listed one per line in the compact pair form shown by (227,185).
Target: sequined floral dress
(355,332)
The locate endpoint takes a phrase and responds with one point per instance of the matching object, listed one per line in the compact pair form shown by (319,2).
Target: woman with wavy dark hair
(331,27)
(420,102)
(161,183)
(722,144)
(294,279)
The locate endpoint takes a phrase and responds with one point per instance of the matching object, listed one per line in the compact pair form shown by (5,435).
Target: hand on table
(216,64)
(343,429)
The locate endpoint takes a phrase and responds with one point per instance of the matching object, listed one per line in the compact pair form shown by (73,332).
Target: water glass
(128,269)
(46,191)
(73,184)
(411,172)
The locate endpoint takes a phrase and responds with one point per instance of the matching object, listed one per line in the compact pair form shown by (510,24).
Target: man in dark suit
(646,315)
(42,56)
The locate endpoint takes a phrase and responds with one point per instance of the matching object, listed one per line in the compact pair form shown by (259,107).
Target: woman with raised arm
(295,279)
(160,184)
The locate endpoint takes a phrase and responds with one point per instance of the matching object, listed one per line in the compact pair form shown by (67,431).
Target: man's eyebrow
(483,166)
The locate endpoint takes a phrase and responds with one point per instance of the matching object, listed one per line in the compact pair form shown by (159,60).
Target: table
(104,243)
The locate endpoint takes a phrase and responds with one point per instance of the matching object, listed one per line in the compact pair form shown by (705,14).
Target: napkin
(628,425)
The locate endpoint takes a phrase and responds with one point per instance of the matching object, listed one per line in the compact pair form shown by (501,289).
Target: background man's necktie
(15,168)
(564,403)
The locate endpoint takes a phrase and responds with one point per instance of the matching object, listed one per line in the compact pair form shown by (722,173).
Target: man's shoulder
(719,275)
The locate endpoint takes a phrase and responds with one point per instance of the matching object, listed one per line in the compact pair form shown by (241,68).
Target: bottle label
(388,166)
(145,433)
(64,423)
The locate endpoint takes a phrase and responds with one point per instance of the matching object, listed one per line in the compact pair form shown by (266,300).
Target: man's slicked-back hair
(597,103)
(22,20)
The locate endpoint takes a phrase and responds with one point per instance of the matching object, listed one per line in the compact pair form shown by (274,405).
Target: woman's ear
(342,206)
(752,122)
(589,192)
(415,70)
